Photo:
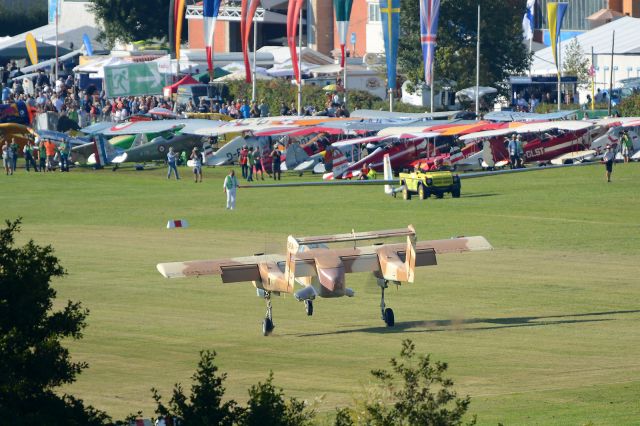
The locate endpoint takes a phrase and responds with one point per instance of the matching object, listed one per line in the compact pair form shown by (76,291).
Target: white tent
(239,66)
(470,92)
(96,67)
(240,75)
(166,65)
(286,69)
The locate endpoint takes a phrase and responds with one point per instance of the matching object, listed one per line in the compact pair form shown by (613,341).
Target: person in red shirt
(242,159)
(50,149)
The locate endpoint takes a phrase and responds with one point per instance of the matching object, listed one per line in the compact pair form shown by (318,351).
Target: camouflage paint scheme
(312,264)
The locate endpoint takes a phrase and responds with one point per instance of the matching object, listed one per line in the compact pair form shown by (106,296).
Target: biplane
(320,271)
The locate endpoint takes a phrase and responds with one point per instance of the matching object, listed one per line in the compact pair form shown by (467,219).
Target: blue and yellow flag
(555,15)
(390,14)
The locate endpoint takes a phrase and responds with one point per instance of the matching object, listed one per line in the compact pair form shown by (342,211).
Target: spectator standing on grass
(242,159)
(50,150)
(64,156)
(14,154)
(607,159)
(626,145)
(257,158)
(42,156)
(7,161)
(172,159)
(512,147)
(251,162)
(196,157)
(264,109)
(229,187)
(275,162)
(245,110)
(28,152)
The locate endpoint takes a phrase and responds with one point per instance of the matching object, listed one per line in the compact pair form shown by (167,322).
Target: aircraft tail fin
(340,163)
(207,151)
(103,151)
(294,155)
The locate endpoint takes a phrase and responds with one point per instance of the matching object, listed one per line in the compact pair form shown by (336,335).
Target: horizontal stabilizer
(456,245)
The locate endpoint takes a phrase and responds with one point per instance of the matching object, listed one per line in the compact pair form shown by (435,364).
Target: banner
(342,9)
(293,16)
(32,48)
(87,44)
(210,10)
(555,14)
(390,14)
(54,8)
(249,9)
(179,17)
(429,13)
(527,20)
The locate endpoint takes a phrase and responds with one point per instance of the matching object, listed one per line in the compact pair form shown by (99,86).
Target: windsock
(342,9)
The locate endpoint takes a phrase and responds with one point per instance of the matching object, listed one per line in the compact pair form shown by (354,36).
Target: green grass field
(542,330)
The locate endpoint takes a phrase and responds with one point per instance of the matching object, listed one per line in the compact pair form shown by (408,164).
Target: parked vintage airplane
(321,271)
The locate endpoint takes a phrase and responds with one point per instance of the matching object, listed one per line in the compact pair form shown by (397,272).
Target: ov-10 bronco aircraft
(321,271)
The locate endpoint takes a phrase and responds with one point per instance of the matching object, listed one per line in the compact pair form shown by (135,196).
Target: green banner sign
(133,80)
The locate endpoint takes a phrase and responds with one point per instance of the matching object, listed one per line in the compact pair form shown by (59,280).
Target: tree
(33,361)
(502,50)
(574,63)
(131,20)
(204,407)
(425,396)
(267,407)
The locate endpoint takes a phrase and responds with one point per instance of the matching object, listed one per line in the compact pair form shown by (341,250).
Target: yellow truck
(426,184)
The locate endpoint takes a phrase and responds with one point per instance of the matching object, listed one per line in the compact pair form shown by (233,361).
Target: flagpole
(57,19)
(433,81)
(390,99)
(593,81)
(253,70)
(559,68)
(300,63)
(344,81)
(613,42)
(478,69)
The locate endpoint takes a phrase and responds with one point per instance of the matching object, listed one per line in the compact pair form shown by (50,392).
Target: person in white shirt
(229,187)
(608,159)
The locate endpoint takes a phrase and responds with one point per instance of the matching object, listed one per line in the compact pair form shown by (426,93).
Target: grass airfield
(542,330)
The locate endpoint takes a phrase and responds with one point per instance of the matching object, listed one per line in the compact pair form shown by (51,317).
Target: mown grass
(542,330)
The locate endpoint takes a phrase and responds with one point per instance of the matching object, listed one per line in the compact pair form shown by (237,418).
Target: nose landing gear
(386,313)
(267,324)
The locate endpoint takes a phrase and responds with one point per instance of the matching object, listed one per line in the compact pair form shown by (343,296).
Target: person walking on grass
(608,159)
(196,157)
(172,160)
(229,187)
(7,161)
(626,146)
(14,149)
(251,162)
(28,152)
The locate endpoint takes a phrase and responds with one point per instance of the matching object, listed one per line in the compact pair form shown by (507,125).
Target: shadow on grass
(497,323)
(479,195)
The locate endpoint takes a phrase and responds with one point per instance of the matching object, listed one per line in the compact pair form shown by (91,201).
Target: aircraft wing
(137,127)
(237,269)
(350,142)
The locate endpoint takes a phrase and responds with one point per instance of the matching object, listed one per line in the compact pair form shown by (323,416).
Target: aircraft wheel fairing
(389,318)
(308,307)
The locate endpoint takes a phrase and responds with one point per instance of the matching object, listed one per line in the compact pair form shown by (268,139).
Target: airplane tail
(294,155)
(340,165)
(494,153)
(388,174)
(103,152)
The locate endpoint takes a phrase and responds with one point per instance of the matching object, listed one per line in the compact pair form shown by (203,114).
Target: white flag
(527,20)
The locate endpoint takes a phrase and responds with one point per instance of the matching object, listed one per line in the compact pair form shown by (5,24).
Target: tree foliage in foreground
(502,52)
(131,20)
(33,361)
(415,394)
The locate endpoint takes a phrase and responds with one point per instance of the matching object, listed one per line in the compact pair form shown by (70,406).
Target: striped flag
(210,10)
(293,16)
(527,20)
(429,13)
(247,11)
(390,14)
(342,9)
(555,15)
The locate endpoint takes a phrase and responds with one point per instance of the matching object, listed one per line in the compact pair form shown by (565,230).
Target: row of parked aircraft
(338,148)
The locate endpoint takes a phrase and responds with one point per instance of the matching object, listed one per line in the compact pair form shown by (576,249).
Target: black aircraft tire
(267,327)
(389,318)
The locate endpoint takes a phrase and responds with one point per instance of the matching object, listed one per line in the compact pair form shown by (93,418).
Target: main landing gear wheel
(267,324)
(267,327)
(388,317)
(386,313)
(308,307)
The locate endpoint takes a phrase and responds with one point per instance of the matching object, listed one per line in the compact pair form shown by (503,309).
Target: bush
(630,107)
